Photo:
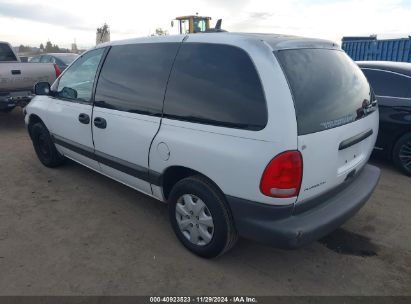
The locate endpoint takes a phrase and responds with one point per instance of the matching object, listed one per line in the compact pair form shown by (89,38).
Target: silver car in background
(17,78)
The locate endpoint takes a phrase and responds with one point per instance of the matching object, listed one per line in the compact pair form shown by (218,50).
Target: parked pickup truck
(17,78)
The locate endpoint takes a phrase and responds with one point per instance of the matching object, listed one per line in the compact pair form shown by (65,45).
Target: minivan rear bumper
(294,226)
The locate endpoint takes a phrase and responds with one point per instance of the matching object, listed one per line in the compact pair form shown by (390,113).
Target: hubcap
(405,155)
(194,219)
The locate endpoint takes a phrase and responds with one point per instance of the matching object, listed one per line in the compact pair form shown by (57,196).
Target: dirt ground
(71,231)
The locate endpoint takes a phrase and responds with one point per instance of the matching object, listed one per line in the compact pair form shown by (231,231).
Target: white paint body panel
(128,137)
(234,159)
(234,163)
(63,121)
(325,166)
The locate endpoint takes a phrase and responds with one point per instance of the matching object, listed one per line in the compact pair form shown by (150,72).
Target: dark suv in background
(391,82)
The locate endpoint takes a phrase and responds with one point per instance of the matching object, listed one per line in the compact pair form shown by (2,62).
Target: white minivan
(261,136)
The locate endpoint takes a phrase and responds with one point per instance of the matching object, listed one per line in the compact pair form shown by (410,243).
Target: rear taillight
(57,70)
(282,176)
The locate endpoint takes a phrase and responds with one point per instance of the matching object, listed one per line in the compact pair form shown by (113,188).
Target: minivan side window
(390,84)
(77,82)
(134,77)
(215,84)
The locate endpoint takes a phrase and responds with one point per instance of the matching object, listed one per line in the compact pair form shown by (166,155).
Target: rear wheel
(402,154)
(200,217)
(44,146)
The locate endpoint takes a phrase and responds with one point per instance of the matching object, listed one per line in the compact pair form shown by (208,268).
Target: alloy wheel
(405,155)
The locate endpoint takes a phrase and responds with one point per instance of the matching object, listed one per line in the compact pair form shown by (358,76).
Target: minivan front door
(128,106)
(71,109)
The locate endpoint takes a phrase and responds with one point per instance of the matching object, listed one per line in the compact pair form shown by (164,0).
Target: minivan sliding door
(128,106)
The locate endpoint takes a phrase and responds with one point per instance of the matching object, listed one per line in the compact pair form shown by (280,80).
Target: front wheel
(43,145)
(200,217)
(402,154)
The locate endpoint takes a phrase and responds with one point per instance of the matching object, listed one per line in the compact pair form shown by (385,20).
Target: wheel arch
(173,174)
(33,119)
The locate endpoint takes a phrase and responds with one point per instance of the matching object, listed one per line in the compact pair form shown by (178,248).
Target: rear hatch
(337,116)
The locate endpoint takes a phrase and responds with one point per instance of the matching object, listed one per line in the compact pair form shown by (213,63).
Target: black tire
(43,145)
(402,154)
(225,234)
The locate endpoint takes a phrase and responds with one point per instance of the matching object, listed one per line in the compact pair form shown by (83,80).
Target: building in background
(103,34)
(74,48)
(371,48)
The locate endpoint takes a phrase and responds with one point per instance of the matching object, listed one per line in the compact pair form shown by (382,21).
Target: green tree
(54,48)
(23,49)
(49,47)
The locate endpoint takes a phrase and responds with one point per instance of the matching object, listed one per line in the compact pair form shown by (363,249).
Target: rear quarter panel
(234,159)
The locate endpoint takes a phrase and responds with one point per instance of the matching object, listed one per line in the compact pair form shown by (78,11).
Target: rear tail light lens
(57,70)
(282,176)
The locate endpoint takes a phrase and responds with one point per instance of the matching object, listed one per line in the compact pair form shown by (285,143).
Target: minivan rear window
(329,89)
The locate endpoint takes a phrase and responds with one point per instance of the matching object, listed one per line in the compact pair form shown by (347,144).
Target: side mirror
(68,93)
(42,88)
(172,23)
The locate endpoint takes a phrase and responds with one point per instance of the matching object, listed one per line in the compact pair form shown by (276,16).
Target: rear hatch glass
(329,89)
(337,122)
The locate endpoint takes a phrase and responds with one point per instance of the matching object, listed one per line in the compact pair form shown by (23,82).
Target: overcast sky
(34,21)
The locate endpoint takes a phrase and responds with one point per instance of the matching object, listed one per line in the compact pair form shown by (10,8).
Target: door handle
(355,139)
(84,118)
(100,122)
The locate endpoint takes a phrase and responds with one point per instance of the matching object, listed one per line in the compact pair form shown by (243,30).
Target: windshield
(6,54)
(329,89)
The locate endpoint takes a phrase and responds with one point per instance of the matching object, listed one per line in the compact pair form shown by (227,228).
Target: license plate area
(350,159)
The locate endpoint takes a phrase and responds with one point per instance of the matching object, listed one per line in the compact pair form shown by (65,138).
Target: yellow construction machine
(195,24)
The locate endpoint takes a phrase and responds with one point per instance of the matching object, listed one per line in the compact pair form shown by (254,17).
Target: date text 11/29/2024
(204,299)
